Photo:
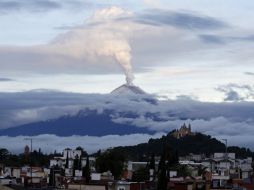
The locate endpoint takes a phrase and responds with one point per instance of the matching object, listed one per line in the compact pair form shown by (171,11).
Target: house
(33,177)
(125,185)
(134,166)
(66,162)
(86,187)
(245,167)
(183,186)
(219,155)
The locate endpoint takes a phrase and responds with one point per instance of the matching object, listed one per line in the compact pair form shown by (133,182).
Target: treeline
(113,159)
(196,144)
(36,158)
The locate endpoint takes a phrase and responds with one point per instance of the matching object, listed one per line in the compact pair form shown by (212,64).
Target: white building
(70,156)
(220,155)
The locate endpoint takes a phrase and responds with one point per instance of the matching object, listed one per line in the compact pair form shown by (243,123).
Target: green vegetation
(111,160)
(86,171)
(37,158)
(196,144)
(140,175)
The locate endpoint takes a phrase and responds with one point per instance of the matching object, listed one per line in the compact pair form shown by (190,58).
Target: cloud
(211,39)
(91,47)
(232,120)
(236,92)
(50,143)
(249,73)
(158,17)
(7,6)
(5,79)
(85,48)
(232,96)
(229,119)
(42,6)
(219,39)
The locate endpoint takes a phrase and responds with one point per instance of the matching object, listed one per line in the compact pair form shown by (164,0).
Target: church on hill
(183,131)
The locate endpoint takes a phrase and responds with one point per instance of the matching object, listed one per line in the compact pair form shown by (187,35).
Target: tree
(169,159)
(75,165)
(4,154)
(86,172)
(80,163)
(183,170)
(111,160)
(140,175)
(162,177)
(67,160)
(83,152)
(151,168)
(152,162)
(51,177)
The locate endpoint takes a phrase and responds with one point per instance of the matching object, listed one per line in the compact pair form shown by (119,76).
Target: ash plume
(102,36)
(119,48)
(115,42)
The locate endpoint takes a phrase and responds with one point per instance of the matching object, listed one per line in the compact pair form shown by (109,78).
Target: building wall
(223,155)
(58,162)
(122,187)
(71,153)
(86,187)
(16,172)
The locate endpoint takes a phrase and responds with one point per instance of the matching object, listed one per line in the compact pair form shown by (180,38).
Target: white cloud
(50,143)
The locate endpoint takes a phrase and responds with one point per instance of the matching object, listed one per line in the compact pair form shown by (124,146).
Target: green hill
(197,144)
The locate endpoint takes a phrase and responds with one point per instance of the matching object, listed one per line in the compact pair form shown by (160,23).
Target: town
(74,169)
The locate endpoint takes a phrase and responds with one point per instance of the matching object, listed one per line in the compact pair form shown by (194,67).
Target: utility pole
(226,142)
(31,151)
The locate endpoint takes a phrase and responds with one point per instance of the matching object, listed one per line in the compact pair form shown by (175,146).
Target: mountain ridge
(85,122)
(126,89)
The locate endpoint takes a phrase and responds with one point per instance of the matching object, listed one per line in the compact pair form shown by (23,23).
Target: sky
(198,51)
(197,48)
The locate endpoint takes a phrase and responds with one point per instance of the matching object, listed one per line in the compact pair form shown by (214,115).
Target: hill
(197,144)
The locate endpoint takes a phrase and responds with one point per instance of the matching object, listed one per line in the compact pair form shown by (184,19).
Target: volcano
(126,89)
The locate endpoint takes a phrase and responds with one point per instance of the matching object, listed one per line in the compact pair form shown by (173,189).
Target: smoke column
(114,41)
(108,38)
(121,51)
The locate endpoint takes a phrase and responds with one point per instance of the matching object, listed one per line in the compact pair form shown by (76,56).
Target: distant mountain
(196,144)
(90,122)
(86,122)
(126,89)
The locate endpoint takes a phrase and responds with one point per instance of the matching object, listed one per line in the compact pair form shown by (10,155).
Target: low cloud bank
(50,143)
(235,120)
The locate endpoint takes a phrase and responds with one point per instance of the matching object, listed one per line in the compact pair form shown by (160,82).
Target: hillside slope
(197,144)
(86,122)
